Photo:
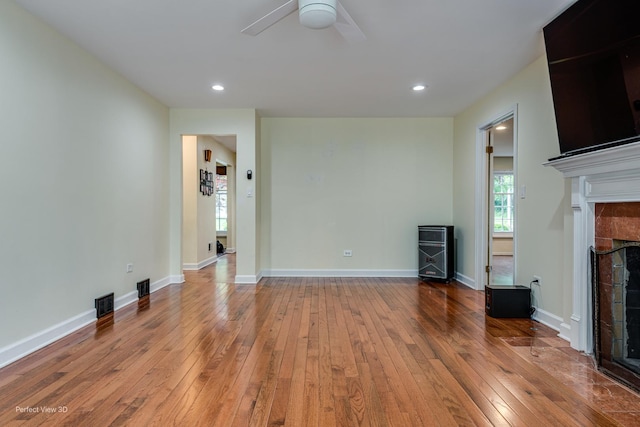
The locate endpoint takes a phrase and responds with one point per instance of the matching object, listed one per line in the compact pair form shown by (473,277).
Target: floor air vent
(104,305)
(143,288)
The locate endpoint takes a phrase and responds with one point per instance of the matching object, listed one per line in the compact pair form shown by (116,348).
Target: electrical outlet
(129,268)
(537,280)
(347,252)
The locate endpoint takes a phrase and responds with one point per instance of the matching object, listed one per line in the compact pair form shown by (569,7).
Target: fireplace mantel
(609,160)
(607,175)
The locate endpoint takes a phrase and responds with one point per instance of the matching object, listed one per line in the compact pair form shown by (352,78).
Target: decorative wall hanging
(206,182)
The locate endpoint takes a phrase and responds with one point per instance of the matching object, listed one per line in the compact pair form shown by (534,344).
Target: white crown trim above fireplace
(604,176)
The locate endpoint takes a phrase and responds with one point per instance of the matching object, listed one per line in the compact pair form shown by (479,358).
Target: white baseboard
(465,280)
(200,265)
(178,278)
(125,300)
(340,273)
(552,321)
(565,332)
(28,345)
(156,286)
(230,250)
(247,279)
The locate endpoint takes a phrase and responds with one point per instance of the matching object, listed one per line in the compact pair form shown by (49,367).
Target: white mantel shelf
(604,176)
(609,160)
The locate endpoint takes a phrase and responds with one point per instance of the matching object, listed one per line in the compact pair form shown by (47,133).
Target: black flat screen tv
(593,53)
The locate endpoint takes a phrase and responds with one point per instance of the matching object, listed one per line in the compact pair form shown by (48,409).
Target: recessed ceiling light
(217,87)
(501,127)
(418,88)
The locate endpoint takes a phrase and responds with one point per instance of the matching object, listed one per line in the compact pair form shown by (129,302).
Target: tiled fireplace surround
(605,198)
(615,223)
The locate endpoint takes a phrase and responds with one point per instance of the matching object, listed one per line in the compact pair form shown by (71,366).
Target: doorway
(208,198)
(496,173)
(502,212)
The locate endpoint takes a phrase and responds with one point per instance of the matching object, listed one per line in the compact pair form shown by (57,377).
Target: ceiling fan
(314,14)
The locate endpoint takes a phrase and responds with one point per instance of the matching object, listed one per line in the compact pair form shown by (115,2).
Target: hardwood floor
(311,352)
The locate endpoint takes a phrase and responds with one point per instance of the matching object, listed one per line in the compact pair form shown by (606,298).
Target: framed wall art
(206,182)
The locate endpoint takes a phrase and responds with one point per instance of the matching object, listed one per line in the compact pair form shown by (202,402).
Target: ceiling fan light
(317,14)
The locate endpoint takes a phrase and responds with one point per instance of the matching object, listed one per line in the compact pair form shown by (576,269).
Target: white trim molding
(604,176)
(156,286)
(30,344)
(482,236)
(340,273)
(178,278)
(202,264)
(247,279)
(549,319)
(465,280)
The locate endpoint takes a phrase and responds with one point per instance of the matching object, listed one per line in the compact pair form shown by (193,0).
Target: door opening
(502,212)
(496,208)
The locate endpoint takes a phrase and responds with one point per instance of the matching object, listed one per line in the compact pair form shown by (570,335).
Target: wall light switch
(523,191)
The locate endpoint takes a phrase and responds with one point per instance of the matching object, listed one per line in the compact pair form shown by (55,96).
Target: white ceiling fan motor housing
(317,14)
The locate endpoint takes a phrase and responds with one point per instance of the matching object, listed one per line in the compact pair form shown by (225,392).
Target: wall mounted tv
(593,53)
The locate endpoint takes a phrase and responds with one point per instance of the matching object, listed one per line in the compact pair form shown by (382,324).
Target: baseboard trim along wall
(340,273)
(179,278)
(200,265)
(465,280)
(28,345)
(554,322)
(247,279)
(565,332)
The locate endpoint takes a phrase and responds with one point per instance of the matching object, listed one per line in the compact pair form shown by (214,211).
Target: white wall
(541,216)
(359,184)
(83,182)
(190,194)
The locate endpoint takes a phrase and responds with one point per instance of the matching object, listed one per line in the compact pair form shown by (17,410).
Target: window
(221,203)
(503,202)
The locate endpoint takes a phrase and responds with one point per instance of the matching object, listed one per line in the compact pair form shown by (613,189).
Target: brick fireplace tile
(604,243)
(603,219)
(627,209)
(606,292)
(626,228)
(606,337)
(605,268)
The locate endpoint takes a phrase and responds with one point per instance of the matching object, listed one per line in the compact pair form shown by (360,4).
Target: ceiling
(176,50)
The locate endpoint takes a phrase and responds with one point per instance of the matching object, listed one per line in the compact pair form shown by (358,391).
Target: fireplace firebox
(616,298)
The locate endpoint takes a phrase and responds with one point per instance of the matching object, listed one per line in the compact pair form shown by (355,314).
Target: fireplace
(605,195)
(616,290)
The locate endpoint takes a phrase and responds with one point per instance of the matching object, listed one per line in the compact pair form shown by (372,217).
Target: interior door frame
(482,235)
(489,136)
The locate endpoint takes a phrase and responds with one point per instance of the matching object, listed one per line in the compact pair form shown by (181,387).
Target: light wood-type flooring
(311,352)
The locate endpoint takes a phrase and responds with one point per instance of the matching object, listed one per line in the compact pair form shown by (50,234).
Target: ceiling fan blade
(347,27)
(271,18)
